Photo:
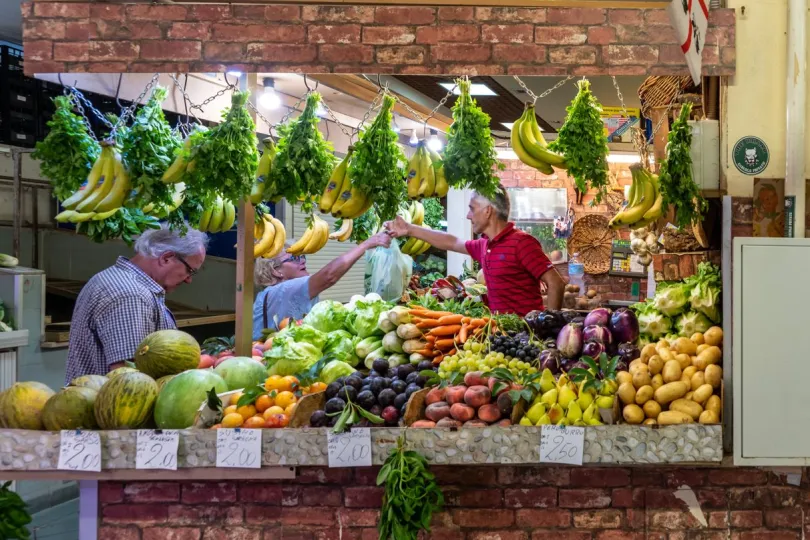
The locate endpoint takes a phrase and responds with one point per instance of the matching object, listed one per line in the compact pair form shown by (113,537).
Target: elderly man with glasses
(123,304)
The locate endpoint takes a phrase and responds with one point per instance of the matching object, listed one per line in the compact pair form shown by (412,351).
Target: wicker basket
(592,238)
(658,91)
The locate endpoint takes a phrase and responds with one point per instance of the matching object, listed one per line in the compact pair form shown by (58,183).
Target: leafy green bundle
(677,184)
(434,213)
(68,151)
(15,514)
(470,160)
(411,495)
(376,167)
(223,160)
(127,224)
(147,148)
(581,140)
(304,159)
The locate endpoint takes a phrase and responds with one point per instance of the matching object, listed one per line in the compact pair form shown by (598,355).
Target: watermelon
(120,371)
(167,352)
(241,372)
(70,408)
(126,401)
(21,405)
(182,396)
(89,381)
(162,381)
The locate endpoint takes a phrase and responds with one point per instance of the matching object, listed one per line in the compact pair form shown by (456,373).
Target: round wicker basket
(592,238)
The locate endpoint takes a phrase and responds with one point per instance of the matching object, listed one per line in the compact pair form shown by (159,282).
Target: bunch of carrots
(445,332)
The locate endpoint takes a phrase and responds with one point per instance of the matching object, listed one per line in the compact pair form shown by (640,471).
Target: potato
(702,394)
(662,343)
(667,418)
(655,364)
(688,395)
(623,377)
(650,421)
(670,392)
(697,380)
(714,375)
(627,393)
(641,378)
(697,338)
(652,409)
(657,382)
(665,354)
(689,371)
(712,355)
(644,394)
(713,404)
(709,417)
(633,414)
(671,371)
(684,360)
(636,365)
(647,352)
(684,345)
(713,336)
(701,348)
(685,406)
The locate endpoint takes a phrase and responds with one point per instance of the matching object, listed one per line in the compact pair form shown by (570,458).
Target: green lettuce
(334,370)
(340,344)
(295,349)
(365,317)
(673,298)
(327,316)
(692,322)
(705,287)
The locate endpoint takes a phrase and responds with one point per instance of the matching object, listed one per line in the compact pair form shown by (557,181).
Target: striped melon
(21,405)
(126,401)
(70,408)
(120,371)
(167,352)
(89,381)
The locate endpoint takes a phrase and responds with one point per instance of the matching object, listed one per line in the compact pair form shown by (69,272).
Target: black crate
(11,61)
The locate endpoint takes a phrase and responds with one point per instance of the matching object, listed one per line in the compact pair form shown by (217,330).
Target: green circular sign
(751,155)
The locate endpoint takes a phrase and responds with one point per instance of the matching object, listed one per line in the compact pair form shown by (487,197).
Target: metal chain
(294,108)
(186,97)
(261,117)
(376,102)
(621,97)
(221,93)
(666,115)
(129,111)
(544,94)
(77,103)
(336,121)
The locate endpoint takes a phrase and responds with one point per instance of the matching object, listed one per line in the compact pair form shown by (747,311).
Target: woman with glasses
(289,289)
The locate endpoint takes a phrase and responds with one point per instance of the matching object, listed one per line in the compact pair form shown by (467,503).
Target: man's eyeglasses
(191,271)
(295,259)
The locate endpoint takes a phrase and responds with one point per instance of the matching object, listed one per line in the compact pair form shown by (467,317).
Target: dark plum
(332,389)
(390,415)
(399,386)
(386,397)
(334,405)
(424,365)
(391,373)
(386,382)
(355,381)
(420,381)
(411,378)
(377,385)
(404,370)
(366,399)
(318,419)
(375,410)
(400,400)
(380,365)
(347,393)
(413,387)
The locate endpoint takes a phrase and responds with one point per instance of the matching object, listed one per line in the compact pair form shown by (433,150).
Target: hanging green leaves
(68,151)
(582,140)
(127,224)
(470,160)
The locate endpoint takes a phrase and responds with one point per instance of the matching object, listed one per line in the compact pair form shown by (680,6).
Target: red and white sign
(690,18)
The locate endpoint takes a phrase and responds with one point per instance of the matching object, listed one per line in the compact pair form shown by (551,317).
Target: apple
(206,361)
(225,353)
(268,343)
(257,352)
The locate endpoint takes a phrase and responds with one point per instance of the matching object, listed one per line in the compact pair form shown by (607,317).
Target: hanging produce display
(313,239)
(219,216)
(269,235)
(530,145)
(341,198)
(582,141)
(644,205)
(363,227)
(470,160)
(415,215)
(68,151)
(261,189)
(426,174)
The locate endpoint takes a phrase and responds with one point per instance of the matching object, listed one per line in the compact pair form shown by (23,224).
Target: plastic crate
(11,61)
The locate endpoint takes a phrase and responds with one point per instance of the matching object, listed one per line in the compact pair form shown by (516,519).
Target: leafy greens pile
(127,224)
(434,213)
(581,140)
(68,151)
(677,185)
(376,165)
(304,159)
(469,158)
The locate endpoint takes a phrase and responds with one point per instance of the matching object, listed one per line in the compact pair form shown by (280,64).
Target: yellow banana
(101,216)
(298,247)
(64,216)
(217,216)
(177,169)
(633,214)
(539,149)
(427,184)
(330,194)
(319,237)
(654,212)
(363,210)
(344,232)
(531,146)
(98,194)
(257,192)
(344,194)
(205,219)
(230,216)
(280,238)
(442,187)
(536,131)
(266,241)
(92,181)
(407,247)
(423,249)
(121,186)
(79,217)
(522,154)
(353,205)
(413,178)
(417,213)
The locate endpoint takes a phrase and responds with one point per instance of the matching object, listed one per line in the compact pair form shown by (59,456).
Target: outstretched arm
(330,274)
(441,240)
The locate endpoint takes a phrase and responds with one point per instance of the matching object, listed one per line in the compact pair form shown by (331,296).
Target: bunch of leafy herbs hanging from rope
(582,141)
(304,159)
(677,184)
(376,166)
(68,151)
(126,224)
(469,159)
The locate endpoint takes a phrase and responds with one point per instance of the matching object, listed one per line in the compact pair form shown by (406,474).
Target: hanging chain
(535,97)
(71,93)
(336,121)
(621,97)
(219,94)
(261,117)
(129,111)
(186,97)
(666,115)
(376,102)
(294,108)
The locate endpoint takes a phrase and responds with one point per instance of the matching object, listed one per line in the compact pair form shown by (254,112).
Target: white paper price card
(79,451)
(157,449)
(350,449)
(239,448)
(562,444)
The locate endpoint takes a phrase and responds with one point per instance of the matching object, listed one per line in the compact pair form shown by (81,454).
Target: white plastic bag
(390,272)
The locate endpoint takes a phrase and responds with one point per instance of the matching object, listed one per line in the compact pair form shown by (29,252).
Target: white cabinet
(705,153)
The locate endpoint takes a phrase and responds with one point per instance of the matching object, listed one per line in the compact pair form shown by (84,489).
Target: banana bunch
(426,174)
(218,218)
(644,202)
(104,192)
(269,236)
(259,191)
(345,231)
(416,213)
(178,196)
(15,515)
(414,247)
(530,145)
(340,198)
(179,166)
(313,239)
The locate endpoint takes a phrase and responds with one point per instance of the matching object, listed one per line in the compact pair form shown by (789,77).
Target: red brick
(208,492)
(436,533)
(768,535)
(38,50)
(360,54)
(118,533)
(152,12)
(543,518)
(490,519)
(43,29)
(685,266)
(473,70)
(26,9)
(746,519)
(44,66)
(62,10)
(631,55)
(498,535)
(404,15)
(627,498)
(737,477)
(507,33)
(622,535)
(560,35)
(171,533)
(79,31)
(586,16)
(452,13)
(560,535)
(626,16)
(532,497)
(511,14)
(458,33)
(113,50)
(254,12)
(444,52)
(717,520)
(661,498)
(473,498)
(363,497)
(143,30)
(722,17)
(264,515)
(170,50)
(688,477)
(627,34)
(231,533)
(657,17)
(598,519)
(322,496)
(209,12)
(110,492)
(276,52)
(281,13)
(584,498)
(344,33)
(142,514)
(358,518)
(601,35)
(205,514)
(290,495)
(146,492)
(572,55)
(225,52)
(528,53)
(544,476)
(189,30)
(419,70)
(671,520)
(113,12)
(107,67)
(670,54)
(281,33)
(388,35)
(308,516)
(261,492)
(323,14)
(427,35)
(537,71)
(788,518)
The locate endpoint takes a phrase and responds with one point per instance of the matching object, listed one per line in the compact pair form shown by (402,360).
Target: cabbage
(295,349)
(691,322)
(651,322)
(364,319)
(705,290)
(340,344)
(672,299)
(327,316)
(334,370)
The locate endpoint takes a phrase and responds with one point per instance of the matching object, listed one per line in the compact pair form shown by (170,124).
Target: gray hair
(499,202)
(155,242)
(265,270)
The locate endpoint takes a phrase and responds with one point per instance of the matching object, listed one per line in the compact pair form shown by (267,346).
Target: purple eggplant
(600,334)
(578,364)
(568,363)
(551,359)
(593,349)
(569,340)
(624,325)
(598,317)
(628,352)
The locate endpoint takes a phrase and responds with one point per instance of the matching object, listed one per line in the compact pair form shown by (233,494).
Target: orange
(246,411)
(255,422)
(285,399)
(284,420)
(275,409)
(276,421)
(232,420)
(292,383)
(290,409)
(263,403)
(216,426)
(274,382)
(229,409)
(234,398)
(317,387)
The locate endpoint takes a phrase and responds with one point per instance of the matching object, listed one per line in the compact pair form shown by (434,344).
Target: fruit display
(180,398)
(260,185)
(530,145)
(218,217)
(425,176)
(313,239)
(340,197)
(70,408)
(644,204)
(269,236)
(126,401)
(89,381)
(415,215)
(564,402)
(473,357)
(167,352)
(21,405)
(241,372)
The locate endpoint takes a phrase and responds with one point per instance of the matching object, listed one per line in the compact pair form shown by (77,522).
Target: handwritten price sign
(239,448)
(157,449)
(562,444)
(350,449)
(80,451)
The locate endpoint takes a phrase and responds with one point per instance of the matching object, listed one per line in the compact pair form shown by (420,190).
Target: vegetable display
(15,514)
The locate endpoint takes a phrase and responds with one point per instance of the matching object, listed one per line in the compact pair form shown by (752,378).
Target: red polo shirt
(512,262)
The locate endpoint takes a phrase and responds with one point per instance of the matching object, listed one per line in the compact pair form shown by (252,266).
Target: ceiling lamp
(269,100)
(414,140)
(476,89)
(434,143)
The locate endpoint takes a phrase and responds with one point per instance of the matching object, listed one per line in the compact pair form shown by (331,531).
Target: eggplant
(623,325)
(569,340)
(599,334)
(550,343)
(568,315)
(568,363)
(578,364)
(551,359)
(628,352)
(593,349)
(598,317)
(545,324)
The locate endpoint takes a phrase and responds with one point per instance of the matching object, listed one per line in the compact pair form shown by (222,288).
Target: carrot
(477,323)
(466,320)
(445,330)
(428,323)
(462,334)
(442,344)
(426,352)
(451,319)
(438,360)
(427,314)
(430,339)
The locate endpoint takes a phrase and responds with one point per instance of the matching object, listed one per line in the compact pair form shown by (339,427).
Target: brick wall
(143,37)
(483,503)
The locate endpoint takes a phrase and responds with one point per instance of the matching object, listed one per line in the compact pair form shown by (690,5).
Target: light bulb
(414,140)
(269,99)
(236,74)
(320,110)
(396,127)
(434,143)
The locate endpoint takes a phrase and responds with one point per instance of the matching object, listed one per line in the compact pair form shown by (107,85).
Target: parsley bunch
(127,224)
(581,140)
(470,160)
(376,167)
(304,159)
(676,182)
(68,151)
(434,213)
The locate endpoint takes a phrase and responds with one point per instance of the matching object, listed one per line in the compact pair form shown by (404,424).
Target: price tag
(157,449)
(562,444)
(79,451)
(239,448)
(350,449)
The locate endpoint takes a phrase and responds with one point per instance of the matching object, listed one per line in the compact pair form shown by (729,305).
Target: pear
(525,421)
(535,412)
(566,397)
(609,388)
(594,422)
(605,402)
(580,423)
(585,400)
(589,412)
(547,381)
(562,381)
(564,422)
(574,412)
(544,421)
(556,413)
(550,397)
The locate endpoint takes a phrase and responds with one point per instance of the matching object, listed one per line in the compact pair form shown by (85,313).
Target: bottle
(576,272)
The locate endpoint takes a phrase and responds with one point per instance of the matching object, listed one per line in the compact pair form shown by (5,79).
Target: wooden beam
(596,4)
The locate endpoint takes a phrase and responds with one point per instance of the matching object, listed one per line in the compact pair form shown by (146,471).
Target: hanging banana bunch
(415,215)
(179,166)
(426,174)
(313,239)
(414,247)
(261,189)
(340,197)
(644,202)
(345,231)
(530,145)
(269,236)
(219,217)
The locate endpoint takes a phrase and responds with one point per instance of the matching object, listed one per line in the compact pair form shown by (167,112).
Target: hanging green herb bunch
(376,167)
(678,186)
(68,151)
(470,160)
(126,224)
(581,140)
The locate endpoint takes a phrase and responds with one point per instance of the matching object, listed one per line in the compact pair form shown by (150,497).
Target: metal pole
(16,194)
(35,226)
(796,109)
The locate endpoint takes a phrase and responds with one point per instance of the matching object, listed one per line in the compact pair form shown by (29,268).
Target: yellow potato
(623,377)
(647,352)
(627,393)
(636,365)
(697,380)
(697,338)
(641,378)
(650,422)
(709,417)
(714,375)
(701,348)
(655,364)
(684,345)
(712,355)
(667,418)
(713,404)
(665,354)
(671,371)
(633,414)
(657,382)
(684,360)
(689,371)
(652,409)
(702,394)
(685,406)
(688,395)
(670,392)
(714,336)
(662,343)
(644,394)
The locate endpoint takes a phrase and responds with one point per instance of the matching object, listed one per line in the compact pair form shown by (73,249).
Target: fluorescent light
(236,74)
(434,143)
(508,125)
(623,158)
(476,89)
(269,99)
(395,127)
(414,140)
(320,110)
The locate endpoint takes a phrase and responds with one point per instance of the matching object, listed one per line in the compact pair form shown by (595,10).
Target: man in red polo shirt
(513,261)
